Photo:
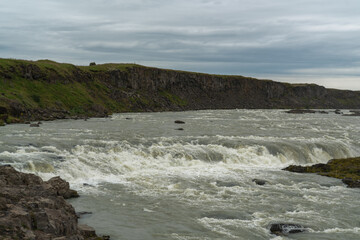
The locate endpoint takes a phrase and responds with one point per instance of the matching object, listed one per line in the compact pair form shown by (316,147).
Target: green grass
(173,98)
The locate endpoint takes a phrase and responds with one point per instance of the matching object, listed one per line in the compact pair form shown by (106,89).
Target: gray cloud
(294,41)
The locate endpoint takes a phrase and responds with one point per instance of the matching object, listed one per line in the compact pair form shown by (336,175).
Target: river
(142,178)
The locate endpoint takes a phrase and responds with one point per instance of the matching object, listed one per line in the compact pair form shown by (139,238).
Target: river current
(142,178)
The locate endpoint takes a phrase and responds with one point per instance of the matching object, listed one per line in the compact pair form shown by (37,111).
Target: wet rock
(179,129)
(33,209)
(337,111)
(353,113)
(223,215)
(323,112)
(351,183)
(39,123)
(300,111)
(86,231)
(286,228)
(259,181)
(87,185)
(179,122)
(34,125)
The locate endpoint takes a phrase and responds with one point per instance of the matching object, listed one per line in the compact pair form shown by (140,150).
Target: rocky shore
(33,209)
(346,169)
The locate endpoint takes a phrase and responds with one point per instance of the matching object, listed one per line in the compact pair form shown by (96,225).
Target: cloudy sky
(303,41)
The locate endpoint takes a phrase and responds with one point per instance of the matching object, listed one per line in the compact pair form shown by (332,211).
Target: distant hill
(46,90)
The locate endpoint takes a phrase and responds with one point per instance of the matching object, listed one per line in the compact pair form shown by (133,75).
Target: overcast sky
(303,41)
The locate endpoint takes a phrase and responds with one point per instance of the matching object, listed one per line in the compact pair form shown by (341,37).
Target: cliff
(34,90)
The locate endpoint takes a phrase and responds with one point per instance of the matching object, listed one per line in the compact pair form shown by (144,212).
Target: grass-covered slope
(30,89)
(44,90)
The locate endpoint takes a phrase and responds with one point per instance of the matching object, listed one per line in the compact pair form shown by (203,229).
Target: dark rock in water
(320,167)
(80,214)
(300,111)
(353,113)
(351,183)
(39,123)
(179,122)
(337,111)
(128,118)
(180,129)
(87,185)
(27,122)
(34,125)
(31,208)
(259,181)
(286,228)
(224,215)
(323,112)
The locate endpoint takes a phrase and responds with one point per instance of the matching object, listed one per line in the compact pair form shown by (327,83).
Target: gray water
(146,180)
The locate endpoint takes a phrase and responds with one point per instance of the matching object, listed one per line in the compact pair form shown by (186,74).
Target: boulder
(33,209)
(286,228)
(61,188)
(34,125)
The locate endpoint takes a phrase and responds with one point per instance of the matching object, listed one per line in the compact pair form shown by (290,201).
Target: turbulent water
(143,179)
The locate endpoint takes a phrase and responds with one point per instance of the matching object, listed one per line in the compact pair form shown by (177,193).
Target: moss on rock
(347,169)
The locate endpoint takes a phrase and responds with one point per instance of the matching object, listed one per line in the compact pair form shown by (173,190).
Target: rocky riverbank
(346,169)
(31,208)
(46,90)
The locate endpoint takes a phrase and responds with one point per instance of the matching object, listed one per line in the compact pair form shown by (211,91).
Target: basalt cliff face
(48,90)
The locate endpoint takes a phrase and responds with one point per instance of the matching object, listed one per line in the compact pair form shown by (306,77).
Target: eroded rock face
(31,208)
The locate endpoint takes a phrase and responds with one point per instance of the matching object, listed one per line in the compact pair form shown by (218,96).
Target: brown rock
(33,209)
(62,188)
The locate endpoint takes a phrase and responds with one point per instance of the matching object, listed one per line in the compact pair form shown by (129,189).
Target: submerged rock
(259,181)
(286,228)
(31,208)
(179,129)
(347,169)
(34,125)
